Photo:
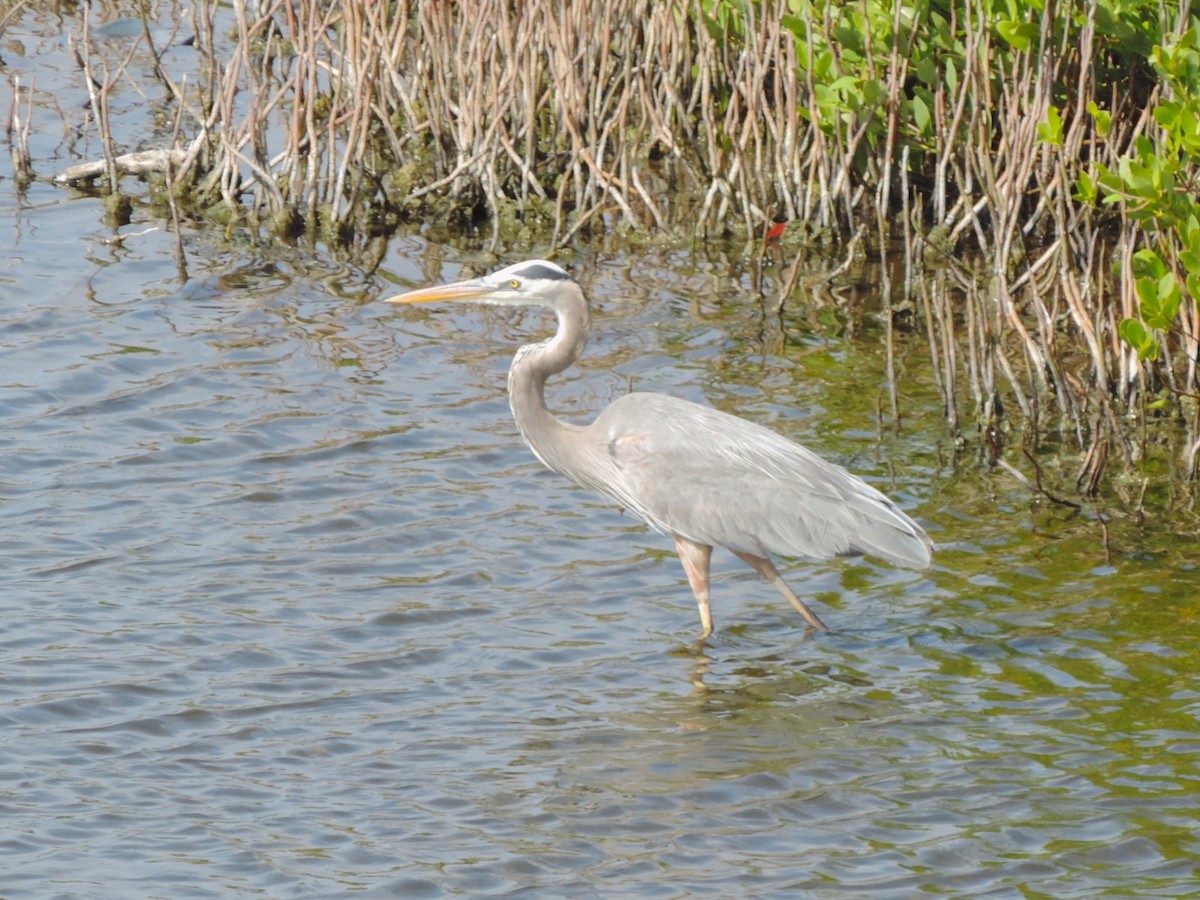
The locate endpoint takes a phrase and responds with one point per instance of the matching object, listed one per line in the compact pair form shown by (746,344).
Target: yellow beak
(474,289)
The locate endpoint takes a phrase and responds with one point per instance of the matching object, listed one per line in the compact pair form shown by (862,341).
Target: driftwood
(142,162)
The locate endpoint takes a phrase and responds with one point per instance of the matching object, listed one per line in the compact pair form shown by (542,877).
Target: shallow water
(289,609)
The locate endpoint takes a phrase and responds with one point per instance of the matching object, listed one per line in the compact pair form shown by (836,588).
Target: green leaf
(1158,300)
(1085,189)
(1102,118)
(1139,180)
(845,84)
(822,63)
(1193,286)
(1169,299)
(1134,334)
(927,71)
(1018,34)
(1051,130)
(921,115)
(715,31)
(1147,294)
(1191,261)
(1145,148)
(1167,115)
(1148,264)
(873,92)
(1191,232)
(795,25)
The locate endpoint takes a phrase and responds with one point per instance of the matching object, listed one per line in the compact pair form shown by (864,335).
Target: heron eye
(514,284)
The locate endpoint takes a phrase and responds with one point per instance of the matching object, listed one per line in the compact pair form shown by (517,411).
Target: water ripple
(277,624)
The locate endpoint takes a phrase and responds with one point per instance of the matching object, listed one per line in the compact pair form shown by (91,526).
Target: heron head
(536,282)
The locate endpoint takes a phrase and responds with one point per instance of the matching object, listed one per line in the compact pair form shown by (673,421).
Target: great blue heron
(706,478)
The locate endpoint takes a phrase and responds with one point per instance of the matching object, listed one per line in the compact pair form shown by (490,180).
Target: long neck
(534,363)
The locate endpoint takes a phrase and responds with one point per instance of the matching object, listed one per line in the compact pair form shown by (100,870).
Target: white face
(524,282)
(536,282)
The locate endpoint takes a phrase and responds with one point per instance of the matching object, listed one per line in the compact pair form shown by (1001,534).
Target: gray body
(704,477)
(719,480)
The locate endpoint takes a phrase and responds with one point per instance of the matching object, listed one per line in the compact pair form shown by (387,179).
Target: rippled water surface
(288,608)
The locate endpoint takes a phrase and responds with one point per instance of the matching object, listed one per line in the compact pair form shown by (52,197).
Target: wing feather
(720,480)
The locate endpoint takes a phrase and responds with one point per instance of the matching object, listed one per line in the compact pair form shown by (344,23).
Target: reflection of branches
(10,14)
(1041,488)
(98,92)
(18,133)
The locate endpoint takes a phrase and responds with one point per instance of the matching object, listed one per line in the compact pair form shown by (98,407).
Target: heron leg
(767,570)
(695,558)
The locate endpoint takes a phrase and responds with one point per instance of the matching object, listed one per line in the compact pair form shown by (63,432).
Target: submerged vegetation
(1034,162)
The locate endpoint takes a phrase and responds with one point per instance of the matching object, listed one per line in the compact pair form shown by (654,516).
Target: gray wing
(720,480)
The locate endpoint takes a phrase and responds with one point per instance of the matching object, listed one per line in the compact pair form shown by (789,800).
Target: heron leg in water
(695,558)
(767,570)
